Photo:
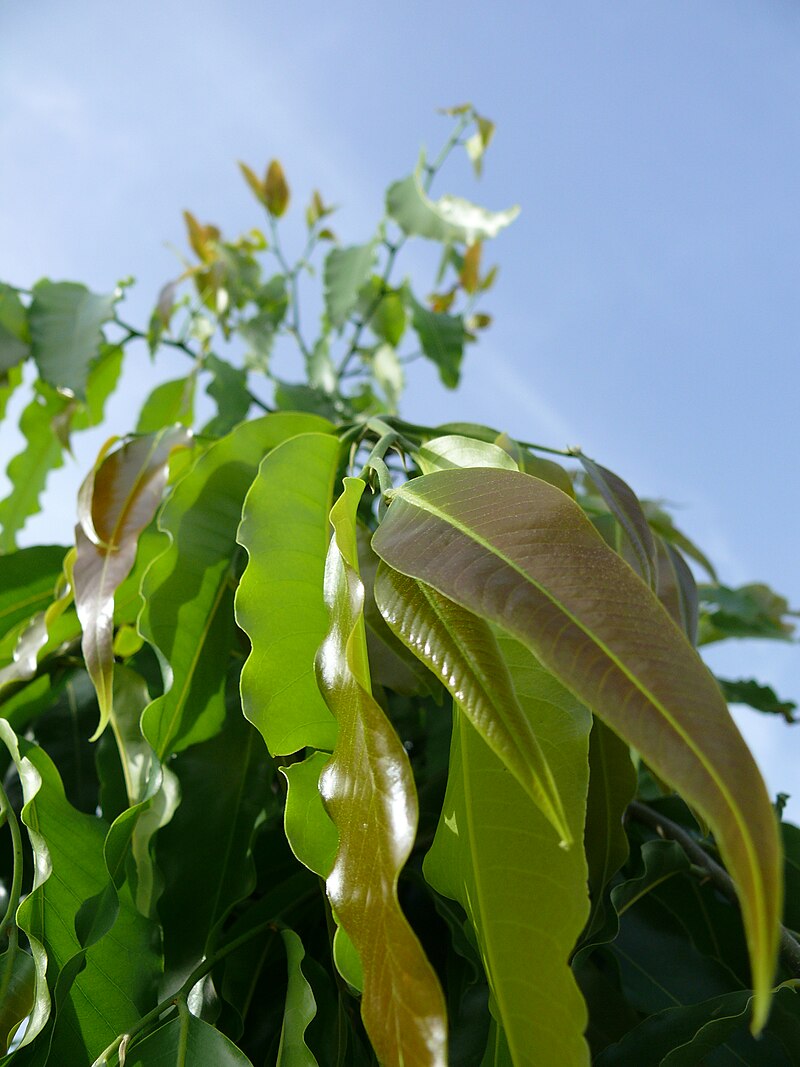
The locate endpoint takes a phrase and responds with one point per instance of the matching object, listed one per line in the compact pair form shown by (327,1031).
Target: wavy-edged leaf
(15,335)
(309,830)
(626,509)
(119,498)
(496,854)
(462,651)
(118,981)
(279,602)
(441,338)
(299,1010)
(168,403)
(228,389)
(186,1040)
(515,550)
(448,219)
(65,320)
(346,272)
(188,589)
(369,792)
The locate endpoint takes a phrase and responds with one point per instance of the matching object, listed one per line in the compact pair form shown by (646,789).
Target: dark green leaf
(18,979)
(14,332)
(65,320)
(183,1041)
(749,611)
(228,389)
(442,340)
(757,696)
(27,582)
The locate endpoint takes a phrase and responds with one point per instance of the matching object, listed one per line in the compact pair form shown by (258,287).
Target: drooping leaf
(448,219)
(442,340)
(120,968)
(167,404)
(515,550)
(526,897)
(188,589)
(369,792)
(461,650)
(186,1040)
(309,830)
(752,610)
(279,601)
(65,320)
(346,272)
(120,498)
(15,334)
(757,696)
(626,509)
(300,1008)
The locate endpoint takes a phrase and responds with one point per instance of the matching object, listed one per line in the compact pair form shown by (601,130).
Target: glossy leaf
(300,1008)
(514,549)
(65,320)
(188,589)
(346,272)
(461,650)
(525,896)
(309,830)
(14,331)
(626,509)
(186,1040)
(120,497)
(442,340)
(369,792)
(448,219)
(454,450)
(279,601)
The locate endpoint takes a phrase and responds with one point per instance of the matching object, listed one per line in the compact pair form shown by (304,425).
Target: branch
(719,877)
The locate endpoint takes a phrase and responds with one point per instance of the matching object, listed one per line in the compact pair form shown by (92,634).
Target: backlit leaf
(525,897)
(65,320)
(448,219)
(122,495)
(369,792)
(279,601)
(461,650)
(454,450)
(515,550)
(300,1008)
(346,272)
(309,830)
(167,404)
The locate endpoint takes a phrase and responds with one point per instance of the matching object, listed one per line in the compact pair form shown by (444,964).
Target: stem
(291,276)
(719,877)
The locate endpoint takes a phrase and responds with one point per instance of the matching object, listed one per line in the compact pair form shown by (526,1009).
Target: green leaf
(389,375)
(279,601)
(626,509)
(453,450)
(368,789)
(300,1008)
(496,854)
(346,271)
(661,522)
(442,340)
(8,383)
(757,696)
(14,332)
(448,219)
(461,650)
(309,830)
(308,398)
(519,552)
(188,588)
(791,844)
(676,588)
(28,470)
(27,582)
(276,190)
(750,611)
(116,502)
(167,404)
(65,320)
(228,389)
(186,1040)
(384,309)
(109,994)
(18,979)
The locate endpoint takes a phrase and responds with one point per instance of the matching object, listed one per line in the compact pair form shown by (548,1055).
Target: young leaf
(65,320)
(279,602)
(442,340)
(300,1008)
(346,272)
(525,897)
(516,550)
(120,498)
(255,183)
(461,650)
(369,792)
(625,507)
(448,219)
(276,190)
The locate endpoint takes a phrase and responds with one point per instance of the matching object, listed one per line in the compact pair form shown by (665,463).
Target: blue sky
(647,306)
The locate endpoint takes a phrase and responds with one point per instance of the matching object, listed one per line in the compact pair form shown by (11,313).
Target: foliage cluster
(339,740)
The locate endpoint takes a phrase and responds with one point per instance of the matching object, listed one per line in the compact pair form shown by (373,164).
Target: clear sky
(647,306)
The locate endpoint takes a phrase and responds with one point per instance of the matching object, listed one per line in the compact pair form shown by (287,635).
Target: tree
(337,739)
